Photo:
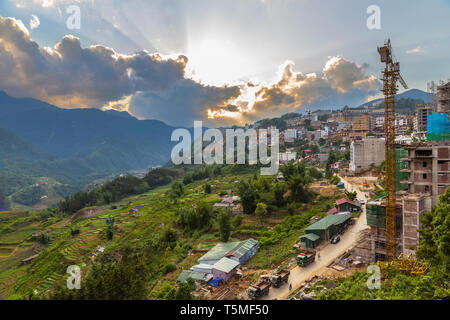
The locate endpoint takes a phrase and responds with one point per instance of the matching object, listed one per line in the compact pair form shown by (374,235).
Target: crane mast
(391,75)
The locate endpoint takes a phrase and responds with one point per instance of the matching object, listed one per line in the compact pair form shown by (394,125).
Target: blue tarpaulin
(215,282)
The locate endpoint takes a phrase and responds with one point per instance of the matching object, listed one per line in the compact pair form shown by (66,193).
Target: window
(424,164)
(424,176)
(427,188)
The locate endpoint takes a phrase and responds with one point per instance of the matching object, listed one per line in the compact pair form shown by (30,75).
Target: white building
(290,135)
(288,156)
(364,153)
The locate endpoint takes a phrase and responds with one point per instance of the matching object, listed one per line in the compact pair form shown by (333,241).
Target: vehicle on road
(279,278)
(362,201)
(335,239)
(306,257)
(258,290)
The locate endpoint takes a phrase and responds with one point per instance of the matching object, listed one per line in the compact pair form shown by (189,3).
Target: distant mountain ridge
(409,94)
(75,145)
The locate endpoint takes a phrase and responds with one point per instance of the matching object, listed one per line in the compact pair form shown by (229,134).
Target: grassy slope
(138,230)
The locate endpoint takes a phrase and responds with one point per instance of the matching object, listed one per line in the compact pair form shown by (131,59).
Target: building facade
(365,152)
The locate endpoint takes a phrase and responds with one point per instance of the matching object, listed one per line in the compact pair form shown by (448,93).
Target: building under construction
(426,176)
(443,98)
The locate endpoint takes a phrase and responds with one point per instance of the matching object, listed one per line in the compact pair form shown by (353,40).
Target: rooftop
(310,236)
(344,200)
(328,221)
(185,274)
(222,249)
(225,265)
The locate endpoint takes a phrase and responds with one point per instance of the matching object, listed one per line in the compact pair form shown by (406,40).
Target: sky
(223,62)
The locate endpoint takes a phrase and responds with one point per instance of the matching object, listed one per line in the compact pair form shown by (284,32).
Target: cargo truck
(279,278)
(258,290)
(305,257)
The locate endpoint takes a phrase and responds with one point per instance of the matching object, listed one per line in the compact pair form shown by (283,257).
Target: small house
(329,226)
(225,268)
(244,251)
(311,240)
(346,205)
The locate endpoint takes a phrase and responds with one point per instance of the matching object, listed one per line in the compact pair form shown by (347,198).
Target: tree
(169,237)
(291,208)
(109,228)
(261,211)
(224,219)
(279,190)
(203,213)
(434,244)
(249,195)
(207,188)
(298,187)
(177,189)
(351,195)
(184,290)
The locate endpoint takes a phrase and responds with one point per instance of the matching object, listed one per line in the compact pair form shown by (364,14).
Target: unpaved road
(328,253)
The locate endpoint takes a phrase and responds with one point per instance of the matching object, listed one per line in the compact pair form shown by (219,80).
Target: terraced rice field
(83,245)
(48,283)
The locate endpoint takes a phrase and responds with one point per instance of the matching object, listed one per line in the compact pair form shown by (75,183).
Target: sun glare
(216,61)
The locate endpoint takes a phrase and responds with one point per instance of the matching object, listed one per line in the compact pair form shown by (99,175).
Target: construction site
(416,174)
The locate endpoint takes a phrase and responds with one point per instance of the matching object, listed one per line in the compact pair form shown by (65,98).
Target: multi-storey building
(422,113)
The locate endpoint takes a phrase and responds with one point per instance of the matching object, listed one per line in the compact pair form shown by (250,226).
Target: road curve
(328,253)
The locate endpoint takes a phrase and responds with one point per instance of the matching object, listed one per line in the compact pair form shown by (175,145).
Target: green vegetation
(433,247)
(225,225)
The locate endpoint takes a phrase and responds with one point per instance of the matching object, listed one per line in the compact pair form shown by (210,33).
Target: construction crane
(391,75)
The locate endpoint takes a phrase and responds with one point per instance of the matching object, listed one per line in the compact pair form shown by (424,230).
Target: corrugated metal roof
(185,274)
(222,249)
(225,265)
(310,236)
(203,266)
(328,221)
(219,251)
(244,247)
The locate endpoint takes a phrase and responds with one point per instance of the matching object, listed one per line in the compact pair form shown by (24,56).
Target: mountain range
(415,94)
(74,146)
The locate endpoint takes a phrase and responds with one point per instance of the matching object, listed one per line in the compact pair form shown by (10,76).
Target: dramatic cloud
(342,82)
(152,86)
(34,22)
(70,76)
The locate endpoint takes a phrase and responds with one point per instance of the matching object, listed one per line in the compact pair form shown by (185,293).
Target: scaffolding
(443,97)
(438,127)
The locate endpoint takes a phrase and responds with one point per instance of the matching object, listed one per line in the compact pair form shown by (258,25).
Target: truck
(279,278)
(305,257)
(258,290)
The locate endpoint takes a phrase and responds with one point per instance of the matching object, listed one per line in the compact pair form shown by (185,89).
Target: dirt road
(328,253)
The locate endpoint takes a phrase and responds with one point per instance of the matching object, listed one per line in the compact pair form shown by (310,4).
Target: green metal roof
(219,251)
(328,221)
(238,249)
(225,265)
(185,274)
(311,236)
(244,247)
